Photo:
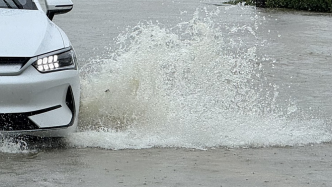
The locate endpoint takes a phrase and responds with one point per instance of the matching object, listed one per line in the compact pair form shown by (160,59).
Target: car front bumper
(39,104)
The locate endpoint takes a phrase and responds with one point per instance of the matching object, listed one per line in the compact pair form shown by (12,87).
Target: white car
(39,80)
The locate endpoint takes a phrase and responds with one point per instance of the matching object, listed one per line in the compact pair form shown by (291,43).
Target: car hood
(27,33)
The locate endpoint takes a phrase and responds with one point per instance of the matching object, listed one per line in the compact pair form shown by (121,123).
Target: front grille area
(12,65)
(13,60)
(7,60)
(13,122)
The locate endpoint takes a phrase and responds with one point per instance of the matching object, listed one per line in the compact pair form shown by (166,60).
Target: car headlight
(55,61)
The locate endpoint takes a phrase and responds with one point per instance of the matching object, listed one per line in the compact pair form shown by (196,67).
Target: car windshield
(18,4)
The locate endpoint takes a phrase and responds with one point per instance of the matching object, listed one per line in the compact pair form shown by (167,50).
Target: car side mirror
(55,7)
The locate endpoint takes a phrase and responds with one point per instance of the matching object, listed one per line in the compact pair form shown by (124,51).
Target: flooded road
(164,80)
(298,166)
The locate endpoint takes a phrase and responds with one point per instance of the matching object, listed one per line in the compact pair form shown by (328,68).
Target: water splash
(29,145)
(195,85)
(13,145)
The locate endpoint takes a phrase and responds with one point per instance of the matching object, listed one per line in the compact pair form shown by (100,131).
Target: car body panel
(43,103)
(32,28)
(32,90)
(51,118)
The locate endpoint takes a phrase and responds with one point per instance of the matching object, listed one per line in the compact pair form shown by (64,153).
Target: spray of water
(13,145)
(186,86)
(196,85)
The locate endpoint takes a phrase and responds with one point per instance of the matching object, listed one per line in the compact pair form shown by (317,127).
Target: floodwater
(186,74)
(196,75)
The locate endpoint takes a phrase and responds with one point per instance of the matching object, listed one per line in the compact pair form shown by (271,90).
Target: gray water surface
(293,47)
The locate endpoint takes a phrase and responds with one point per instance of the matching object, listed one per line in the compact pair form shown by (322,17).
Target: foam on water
(191,85)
